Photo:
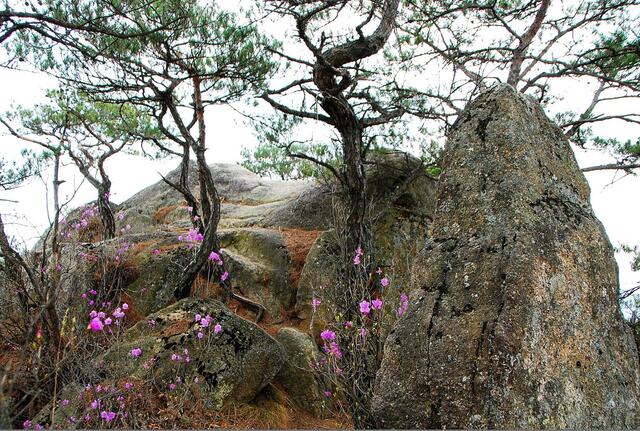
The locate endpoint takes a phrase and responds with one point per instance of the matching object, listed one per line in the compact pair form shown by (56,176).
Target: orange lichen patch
(298,243)
(133,315)
(179,327)
(161,215)
(143,246)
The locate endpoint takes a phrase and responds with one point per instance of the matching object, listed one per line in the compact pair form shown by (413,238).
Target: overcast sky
(614,196)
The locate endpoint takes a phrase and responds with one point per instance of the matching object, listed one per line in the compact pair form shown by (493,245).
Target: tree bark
(525,42)
(355,233)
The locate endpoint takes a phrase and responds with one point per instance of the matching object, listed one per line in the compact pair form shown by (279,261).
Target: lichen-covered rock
(247,200)
(513,319)
(157,274)
(233,364)
(259,263)
(297,376)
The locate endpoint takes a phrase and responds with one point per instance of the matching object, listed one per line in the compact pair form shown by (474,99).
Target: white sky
(615,199)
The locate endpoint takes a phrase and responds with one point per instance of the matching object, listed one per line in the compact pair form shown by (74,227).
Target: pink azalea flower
(156,252)
(198,317)
(364,307)
(108,416)
(26,424)
(314,304)
(125,306)
(217,329)
(328,394)
(200,335)
(376,304)
(96,324)
(328,335)
(404,304)
(224,276)
(384,282)
(348,324)
(108,321)
(136,352)
(335,350)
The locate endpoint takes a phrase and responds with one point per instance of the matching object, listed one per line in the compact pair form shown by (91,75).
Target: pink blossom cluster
(331,347)
(87,214)
(120,251)
(365,306)
(215,257)
(99,319)
(205,322)
(193,237)
(178,358)
(107,416)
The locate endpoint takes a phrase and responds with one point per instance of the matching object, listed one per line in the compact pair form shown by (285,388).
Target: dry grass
(271,409)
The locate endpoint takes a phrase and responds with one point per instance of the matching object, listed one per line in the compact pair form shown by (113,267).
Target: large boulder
(297,375)
(260,266)
(230,365)
(247,200)
(234,364)
(513,319)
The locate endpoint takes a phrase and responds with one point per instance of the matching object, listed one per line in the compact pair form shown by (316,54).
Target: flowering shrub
(59,344)
(352,339)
